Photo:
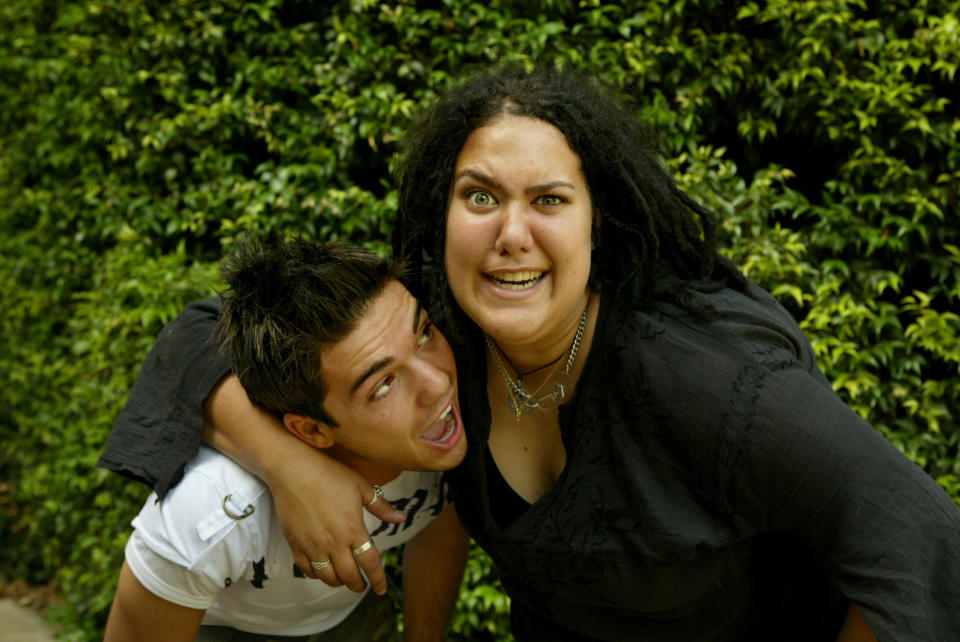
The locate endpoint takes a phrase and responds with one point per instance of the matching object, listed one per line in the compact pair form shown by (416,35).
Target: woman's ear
(595,229)
(316,433)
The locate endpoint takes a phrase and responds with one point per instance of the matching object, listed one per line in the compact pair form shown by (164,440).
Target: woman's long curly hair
(648,228)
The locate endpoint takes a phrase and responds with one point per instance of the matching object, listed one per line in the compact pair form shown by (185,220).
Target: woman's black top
(715,488)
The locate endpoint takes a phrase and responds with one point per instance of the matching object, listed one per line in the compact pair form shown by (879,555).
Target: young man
(325,336)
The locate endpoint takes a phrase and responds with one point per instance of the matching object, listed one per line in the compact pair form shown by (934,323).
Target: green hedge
(139,139)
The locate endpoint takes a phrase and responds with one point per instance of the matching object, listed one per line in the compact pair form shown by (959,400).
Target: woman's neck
(539,357)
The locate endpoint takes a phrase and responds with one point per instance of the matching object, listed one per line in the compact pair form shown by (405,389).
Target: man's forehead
(383,329)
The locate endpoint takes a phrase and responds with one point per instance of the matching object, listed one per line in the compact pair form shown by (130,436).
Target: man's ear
(316,433)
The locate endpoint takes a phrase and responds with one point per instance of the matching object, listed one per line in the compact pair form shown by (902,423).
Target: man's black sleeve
(160,428)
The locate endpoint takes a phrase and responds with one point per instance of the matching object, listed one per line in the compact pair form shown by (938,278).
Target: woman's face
(518,232)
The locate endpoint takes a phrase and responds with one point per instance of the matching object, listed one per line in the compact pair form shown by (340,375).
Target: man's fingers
(303,563)
(344,566)
(369,561)
(329,576)
(318,570)
(379,507)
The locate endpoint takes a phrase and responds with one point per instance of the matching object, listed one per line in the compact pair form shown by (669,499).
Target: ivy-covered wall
(139,138)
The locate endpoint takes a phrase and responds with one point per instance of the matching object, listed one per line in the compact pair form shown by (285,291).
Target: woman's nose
(514,233)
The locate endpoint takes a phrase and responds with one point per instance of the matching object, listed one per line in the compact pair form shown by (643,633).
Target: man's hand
(319,500)
(320,504)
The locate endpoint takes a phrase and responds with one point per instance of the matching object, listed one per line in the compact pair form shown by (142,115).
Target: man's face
(392,388)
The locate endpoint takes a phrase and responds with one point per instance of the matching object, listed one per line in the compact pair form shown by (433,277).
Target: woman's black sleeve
(885,532)
(160,428)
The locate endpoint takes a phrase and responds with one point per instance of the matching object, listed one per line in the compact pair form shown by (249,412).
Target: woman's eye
(550,200)
(426,334)
(480,198)
(383,388)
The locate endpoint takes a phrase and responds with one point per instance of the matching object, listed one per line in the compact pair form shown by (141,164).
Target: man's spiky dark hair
(286,301)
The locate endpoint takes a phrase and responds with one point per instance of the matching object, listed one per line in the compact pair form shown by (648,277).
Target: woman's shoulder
(693,375)
(687,385)
(724,328)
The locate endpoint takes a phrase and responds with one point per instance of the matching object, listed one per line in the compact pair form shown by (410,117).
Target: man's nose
(434,382)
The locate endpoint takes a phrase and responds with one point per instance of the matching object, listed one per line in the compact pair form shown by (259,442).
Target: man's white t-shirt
(188,550)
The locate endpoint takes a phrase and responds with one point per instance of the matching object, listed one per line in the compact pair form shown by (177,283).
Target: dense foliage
(139,139)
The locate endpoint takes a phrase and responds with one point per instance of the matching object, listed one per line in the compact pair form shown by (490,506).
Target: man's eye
(480,198)
(426,334)
(383,388)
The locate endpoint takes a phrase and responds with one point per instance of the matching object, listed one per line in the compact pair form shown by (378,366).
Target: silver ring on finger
(377,494)
(319,566)
(363,548)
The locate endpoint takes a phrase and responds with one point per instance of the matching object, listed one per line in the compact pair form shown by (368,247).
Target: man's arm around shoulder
(433,563)
(138,614)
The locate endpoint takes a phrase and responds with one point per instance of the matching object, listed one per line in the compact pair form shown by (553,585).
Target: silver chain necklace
(518,399)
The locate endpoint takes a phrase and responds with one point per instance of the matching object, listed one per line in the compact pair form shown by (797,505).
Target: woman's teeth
(518,280)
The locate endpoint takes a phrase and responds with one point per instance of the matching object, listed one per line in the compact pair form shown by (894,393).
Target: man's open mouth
(443,428)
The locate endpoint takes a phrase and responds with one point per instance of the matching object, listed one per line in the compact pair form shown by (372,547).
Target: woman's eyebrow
(549,185)
(480,177)
(486,179)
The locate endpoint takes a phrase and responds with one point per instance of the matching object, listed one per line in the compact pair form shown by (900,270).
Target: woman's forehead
(519,151)
(511,132)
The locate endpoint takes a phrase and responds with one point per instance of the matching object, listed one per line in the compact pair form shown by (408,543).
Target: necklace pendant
(527,400)
(519,410)
(559,391)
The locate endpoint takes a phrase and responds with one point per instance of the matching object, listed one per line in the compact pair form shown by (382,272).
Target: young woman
(653,452)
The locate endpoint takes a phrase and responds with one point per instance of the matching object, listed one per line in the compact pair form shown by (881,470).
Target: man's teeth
(451,423)
(518,280)
(445,415)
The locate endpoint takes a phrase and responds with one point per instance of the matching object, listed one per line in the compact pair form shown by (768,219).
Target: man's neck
(374,472)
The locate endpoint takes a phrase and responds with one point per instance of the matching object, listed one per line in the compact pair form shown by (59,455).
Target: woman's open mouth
(517,280)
